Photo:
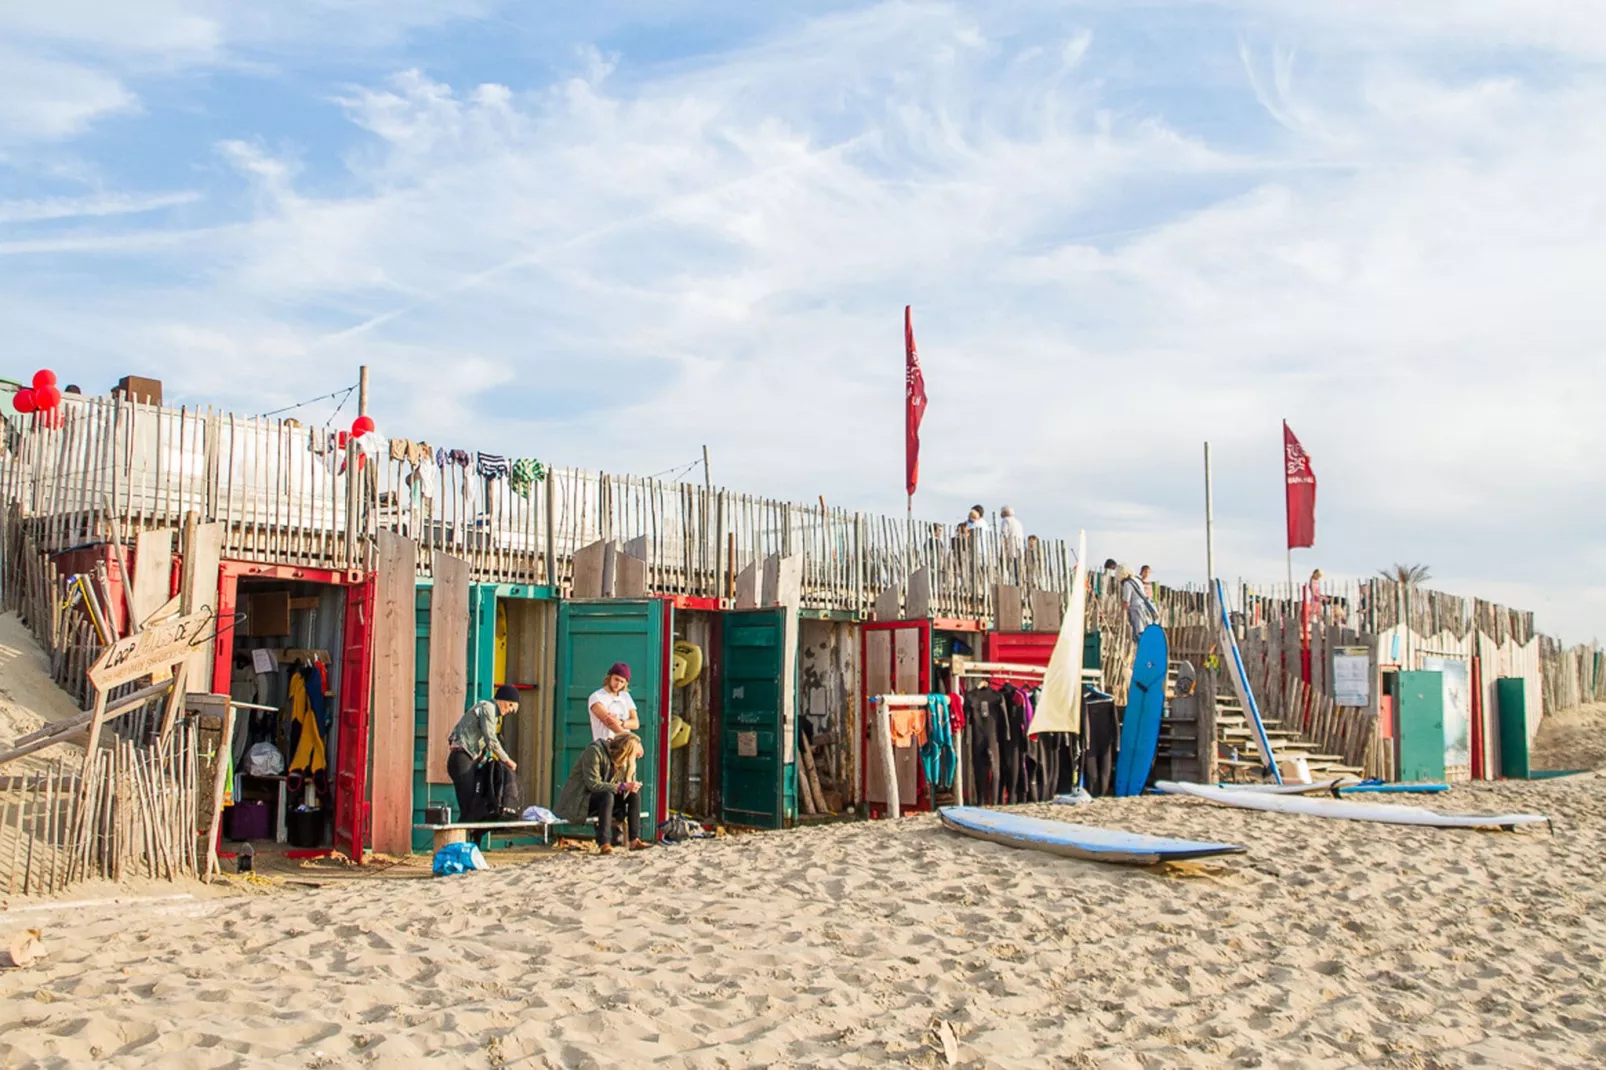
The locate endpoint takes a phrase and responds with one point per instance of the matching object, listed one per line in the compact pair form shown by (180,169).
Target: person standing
(1011,531)
(613,711)
(1148,584)
(599,786)
(476,748)
(1140,610)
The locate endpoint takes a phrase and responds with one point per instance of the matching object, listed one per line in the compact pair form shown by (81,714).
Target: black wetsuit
(1099,734)
(984,718)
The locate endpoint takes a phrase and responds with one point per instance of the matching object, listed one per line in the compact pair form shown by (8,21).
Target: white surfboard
(1076,841)
(1319,787)
(1344,810)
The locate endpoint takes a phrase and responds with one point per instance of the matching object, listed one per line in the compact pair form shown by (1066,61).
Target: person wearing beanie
(477,762)
(613,711)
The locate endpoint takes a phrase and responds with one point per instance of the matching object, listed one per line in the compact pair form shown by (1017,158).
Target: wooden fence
(135,817)
(290,494)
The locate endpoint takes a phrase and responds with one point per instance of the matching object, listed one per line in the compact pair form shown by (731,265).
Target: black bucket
(305,828)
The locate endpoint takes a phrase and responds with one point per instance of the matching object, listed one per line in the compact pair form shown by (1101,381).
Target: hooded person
(601,786)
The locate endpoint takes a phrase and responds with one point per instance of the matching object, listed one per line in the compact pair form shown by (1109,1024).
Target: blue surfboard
(1145,708)
(1076,841)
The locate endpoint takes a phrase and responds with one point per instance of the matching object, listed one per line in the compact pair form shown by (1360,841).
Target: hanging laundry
(458,457)
(473,488)
(492,465)
(398,448)
(908,725)
(319,443)
(526,472)
(425,478)
(306,739)
(937,757)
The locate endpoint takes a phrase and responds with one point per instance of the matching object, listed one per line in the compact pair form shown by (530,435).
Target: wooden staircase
(1177,755)
(1238,749)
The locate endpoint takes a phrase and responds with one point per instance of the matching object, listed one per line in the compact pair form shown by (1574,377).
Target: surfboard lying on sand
(1076,841)
(1320,787)
(1394,789)
(1349,811)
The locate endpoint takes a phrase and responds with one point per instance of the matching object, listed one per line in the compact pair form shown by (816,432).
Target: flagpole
(1210,543)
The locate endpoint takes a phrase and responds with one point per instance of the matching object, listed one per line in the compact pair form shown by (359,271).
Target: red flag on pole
(1301,486)
(914,408)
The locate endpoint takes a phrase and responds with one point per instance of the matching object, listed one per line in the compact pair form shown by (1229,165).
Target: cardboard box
(267,614)
(140,389)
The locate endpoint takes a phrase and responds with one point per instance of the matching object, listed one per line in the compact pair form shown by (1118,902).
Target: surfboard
(1240,682)
(1395,789)
(1076,841)
(1145,707)
(1341,810)
(1320,787)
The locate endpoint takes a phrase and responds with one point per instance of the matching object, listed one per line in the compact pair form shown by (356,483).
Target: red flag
(1301,486)
(914,408)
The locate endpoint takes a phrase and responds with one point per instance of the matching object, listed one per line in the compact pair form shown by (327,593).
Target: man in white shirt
(613,711)
(1011,530)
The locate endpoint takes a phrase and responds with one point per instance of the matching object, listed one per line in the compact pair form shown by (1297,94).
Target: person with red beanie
(613,711)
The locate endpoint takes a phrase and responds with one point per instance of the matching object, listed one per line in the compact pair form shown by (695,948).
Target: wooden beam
(175,697)
(214,828)
(153,574)
(395,683)
(448,660)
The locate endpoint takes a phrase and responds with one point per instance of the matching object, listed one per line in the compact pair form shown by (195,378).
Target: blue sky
(605,234)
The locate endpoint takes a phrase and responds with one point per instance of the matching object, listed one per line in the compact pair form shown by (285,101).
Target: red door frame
(350,766)
(923,668)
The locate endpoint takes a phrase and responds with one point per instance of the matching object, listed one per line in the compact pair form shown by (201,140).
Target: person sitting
(597,787)
(476,752)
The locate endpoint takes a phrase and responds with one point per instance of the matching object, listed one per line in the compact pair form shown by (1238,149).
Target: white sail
(1060,709)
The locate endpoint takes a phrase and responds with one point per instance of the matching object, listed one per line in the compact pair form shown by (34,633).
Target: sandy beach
(1330,944)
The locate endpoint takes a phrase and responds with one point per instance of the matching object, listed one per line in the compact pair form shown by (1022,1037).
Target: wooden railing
(290,494)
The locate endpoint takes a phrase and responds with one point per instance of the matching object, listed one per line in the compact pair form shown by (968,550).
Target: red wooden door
(351,755)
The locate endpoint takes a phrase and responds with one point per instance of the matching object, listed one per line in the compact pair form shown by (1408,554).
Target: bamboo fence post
(889,767)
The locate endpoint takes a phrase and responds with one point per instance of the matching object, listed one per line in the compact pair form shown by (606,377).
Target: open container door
(755,743)
(1421,726)
(592,635)
(351,755)
(896,660)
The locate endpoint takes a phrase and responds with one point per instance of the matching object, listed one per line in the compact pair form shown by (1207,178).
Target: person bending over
(598,786)
(476,747)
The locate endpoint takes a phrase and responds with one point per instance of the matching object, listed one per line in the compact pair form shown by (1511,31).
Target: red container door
(351,757)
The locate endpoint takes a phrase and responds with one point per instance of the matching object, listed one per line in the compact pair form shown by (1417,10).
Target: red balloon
(362,425)
(43,377)
(24,402)
(46,397)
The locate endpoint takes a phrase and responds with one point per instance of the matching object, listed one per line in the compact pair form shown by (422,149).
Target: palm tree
(1406,575)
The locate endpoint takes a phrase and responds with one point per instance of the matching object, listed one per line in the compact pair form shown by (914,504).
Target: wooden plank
(390,782)
(153,573)
(889,604)
(203,558)
(448,660)
(587,570)
(147,651)
(1008,611)
(629,577)
(917,603)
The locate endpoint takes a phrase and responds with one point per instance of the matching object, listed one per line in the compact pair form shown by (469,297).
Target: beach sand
(1331,944)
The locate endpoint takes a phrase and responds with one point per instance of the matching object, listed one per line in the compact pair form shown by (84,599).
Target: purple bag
(247,820)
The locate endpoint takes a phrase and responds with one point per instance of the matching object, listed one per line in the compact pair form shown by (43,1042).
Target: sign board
(153,650)
(1352,676)
(747,744)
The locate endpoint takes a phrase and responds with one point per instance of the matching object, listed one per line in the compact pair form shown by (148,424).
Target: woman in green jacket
(597,787)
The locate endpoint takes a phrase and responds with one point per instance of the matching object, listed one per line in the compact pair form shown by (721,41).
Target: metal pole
(1210,543)
(362,390)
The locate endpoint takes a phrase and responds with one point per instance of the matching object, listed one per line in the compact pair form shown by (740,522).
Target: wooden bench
(457,832)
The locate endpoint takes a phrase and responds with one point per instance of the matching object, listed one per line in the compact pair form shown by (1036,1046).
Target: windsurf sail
(1060,709)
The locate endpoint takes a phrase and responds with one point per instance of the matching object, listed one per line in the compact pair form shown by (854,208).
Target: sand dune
(1330,945)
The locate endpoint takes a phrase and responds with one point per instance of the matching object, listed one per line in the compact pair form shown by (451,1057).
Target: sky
(607,234)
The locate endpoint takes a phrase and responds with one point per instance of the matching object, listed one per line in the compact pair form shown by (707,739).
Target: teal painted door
(1511,696)
(1421,726)
(481,642)
(753,745)
(591,637)
(424,793)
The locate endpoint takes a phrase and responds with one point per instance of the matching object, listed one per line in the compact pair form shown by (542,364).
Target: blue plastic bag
(458,858)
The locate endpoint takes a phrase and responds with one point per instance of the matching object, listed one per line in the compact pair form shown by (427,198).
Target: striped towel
(492,466)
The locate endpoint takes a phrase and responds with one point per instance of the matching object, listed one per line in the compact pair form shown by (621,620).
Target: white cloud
(618,266)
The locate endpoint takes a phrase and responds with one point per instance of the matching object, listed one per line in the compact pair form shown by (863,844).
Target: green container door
(754,749)
(482,642)
(424,793)
(1421,726)
(591,637)
(1511,697)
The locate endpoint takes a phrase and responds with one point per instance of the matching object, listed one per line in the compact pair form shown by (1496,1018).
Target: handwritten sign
(151,650)
(1352,676)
